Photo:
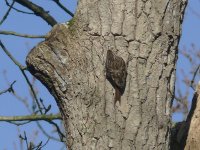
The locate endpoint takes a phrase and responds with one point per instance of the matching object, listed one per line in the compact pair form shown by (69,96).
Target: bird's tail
(117,96)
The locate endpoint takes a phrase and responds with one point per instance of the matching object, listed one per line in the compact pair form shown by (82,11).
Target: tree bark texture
(71,64)
(193,122)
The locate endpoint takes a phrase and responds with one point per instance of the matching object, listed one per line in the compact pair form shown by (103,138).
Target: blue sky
(20,47)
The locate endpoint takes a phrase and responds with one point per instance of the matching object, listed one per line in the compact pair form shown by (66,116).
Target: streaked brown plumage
(116,73)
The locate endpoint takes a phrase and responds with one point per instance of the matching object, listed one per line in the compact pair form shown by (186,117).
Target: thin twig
(7,13)
(61,135)
(17,123)
(24,139)
(45,133)
(63,7)
(32,90)
(39,148)
(193,78)
(23,73)
(21,99)
(21,35)
(24,12)
(46,109)
(10,89)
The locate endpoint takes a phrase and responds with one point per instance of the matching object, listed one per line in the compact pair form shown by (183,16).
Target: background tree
(60,40)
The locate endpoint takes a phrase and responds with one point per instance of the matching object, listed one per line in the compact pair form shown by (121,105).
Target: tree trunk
(71,63)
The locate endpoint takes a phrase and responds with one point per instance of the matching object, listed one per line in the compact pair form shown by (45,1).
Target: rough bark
(193,122)
(71,64)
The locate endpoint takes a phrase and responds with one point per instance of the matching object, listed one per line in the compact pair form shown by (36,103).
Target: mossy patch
(71,22)
(72,25)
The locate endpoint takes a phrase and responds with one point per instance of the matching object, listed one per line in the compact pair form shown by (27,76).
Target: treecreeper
(116,73)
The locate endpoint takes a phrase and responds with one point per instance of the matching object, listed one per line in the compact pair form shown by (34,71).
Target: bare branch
(10,89)
(7,13)
(61,135)
(30,145)
(193,78)
(24,138)
(63,7)
(25,76)
(46,134)
(21,35)
(15,94)
(40,146)
(38,11)
(18,123)
(32,90)
(44,107)
(32,118)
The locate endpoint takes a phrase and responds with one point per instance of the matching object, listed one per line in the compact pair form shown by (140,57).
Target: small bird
(116,73)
